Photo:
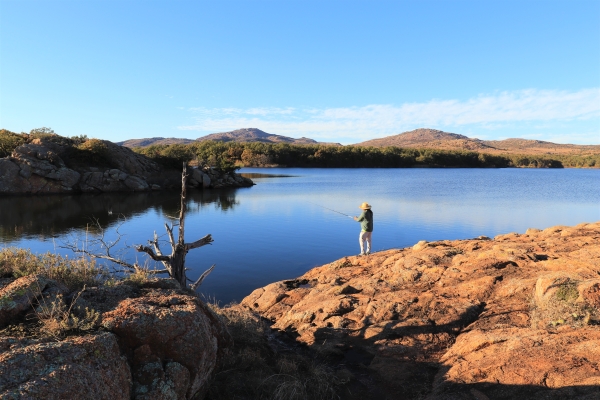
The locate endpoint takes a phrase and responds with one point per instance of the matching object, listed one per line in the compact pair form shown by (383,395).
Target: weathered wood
(199,281)
(175,262)
(200,242)
(150,252)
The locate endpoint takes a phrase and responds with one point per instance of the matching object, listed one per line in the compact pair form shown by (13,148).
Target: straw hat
(365,206)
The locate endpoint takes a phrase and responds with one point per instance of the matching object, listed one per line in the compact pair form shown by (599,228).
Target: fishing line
(346,215)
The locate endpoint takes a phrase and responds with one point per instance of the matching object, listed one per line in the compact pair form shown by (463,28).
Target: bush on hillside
(10,141)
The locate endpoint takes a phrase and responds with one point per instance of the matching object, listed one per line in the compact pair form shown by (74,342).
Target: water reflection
(49,216)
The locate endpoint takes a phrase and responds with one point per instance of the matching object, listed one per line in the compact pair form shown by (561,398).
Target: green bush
(10,141)
(92,152)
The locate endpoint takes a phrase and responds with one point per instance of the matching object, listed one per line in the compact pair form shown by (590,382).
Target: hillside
(254,135)
(153,141)
(429,138)
(539,146)
(436,139)
(244,135)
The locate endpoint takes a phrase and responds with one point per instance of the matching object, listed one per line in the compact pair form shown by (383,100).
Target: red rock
(86,367)
(18,296)
(175,330)
(465,306)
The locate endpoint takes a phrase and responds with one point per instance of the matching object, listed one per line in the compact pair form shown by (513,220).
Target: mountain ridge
(417,138)
(440,140)
(238,135)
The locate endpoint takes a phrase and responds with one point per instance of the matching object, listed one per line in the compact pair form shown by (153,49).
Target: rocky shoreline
(46,166)
(502,318)
(516,315)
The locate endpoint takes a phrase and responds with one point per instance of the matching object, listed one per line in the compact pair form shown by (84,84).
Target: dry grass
(260,367)
(75,273)
(563,309)
(138,277)
(57,320)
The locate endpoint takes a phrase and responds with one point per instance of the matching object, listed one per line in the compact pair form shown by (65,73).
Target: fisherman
(366,225)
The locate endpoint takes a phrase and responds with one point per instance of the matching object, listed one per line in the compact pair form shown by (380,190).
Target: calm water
(279,228)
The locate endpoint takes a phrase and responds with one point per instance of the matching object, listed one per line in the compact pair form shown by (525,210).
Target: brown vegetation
(440,140)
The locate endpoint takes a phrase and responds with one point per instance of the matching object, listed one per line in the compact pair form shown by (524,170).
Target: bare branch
(155,244)
(148,250)
(199,243)
(196,285)
(170,232)
(132,267)
(158,271)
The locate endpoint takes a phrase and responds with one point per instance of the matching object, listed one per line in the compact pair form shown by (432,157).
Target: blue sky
(340,71)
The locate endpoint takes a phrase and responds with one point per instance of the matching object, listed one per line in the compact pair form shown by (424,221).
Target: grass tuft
(57,320)
(562,309)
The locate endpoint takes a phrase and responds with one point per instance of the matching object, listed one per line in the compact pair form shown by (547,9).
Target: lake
(292,219)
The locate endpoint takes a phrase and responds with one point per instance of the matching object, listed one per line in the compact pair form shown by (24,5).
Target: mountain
(540,146)
(254,135)
(429,138)
(239,135)
(436,139)
(418,138)
(153,141)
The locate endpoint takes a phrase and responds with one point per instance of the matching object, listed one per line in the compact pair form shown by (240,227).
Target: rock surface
(86,367)
(155,342)
(207,177)
(38,168)
(17,296)
(480,318)
(175,342)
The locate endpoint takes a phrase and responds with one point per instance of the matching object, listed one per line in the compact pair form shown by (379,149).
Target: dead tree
(175,262)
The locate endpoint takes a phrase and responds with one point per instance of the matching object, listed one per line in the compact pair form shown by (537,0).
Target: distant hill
(254,135)
(436,139)
(151,141)
(429,138)
(239,135)
(540,146)
(418,138)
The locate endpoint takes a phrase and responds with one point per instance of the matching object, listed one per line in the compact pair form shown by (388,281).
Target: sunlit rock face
(516,314)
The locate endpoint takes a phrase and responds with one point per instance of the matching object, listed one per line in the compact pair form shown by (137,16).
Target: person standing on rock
(366,231)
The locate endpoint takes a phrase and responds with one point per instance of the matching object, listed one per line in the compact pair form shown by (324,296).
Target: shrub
(92,152)
(172,156)
(10,141)
(56,319)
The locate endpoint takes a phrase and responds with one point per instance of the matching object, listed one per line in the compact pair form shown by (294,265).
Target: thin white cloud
(503,110)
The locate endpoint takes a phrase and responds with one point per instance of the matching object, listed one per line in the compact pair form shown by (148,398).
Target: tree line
(231,155)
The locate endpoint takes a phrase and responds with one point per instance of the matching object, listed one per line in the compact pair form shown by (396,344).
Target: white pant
(362,238)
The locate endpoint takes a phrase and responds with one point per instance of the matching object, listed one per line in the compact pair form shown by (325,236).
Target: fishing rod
(345,215)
